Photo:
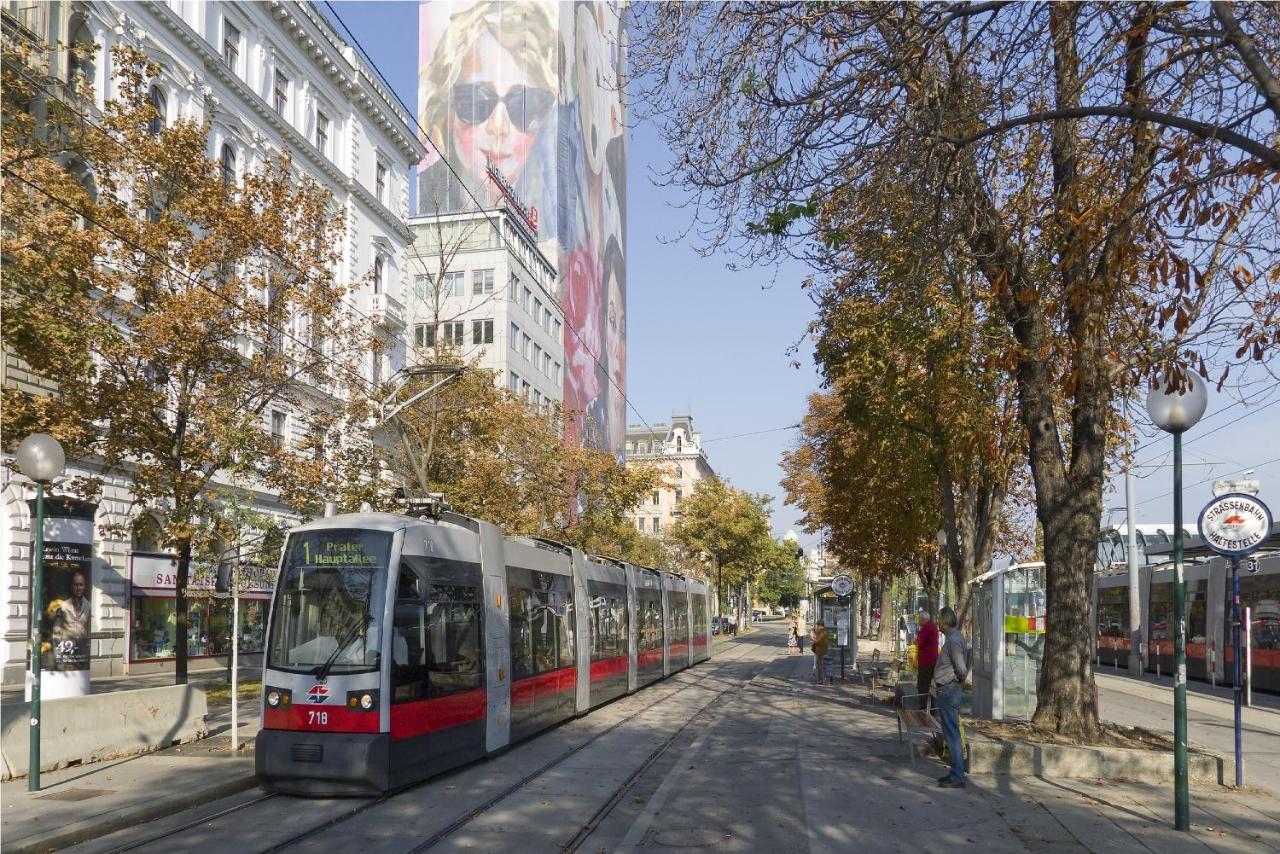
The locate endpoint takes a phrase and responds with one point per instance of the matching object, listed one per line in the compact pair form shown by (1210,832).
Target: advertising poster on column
(66,612)
(524,101)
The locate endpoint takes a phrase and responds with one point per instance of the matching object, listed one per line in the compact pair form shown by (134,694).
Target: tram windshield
(326,611)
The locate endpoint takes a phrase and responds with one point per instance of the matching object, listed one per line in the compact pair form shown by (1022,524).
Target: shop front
(153,614)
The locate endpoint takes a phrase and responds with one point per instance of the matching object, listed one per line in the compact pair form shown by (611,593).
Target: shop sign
(1235,524)
(528,213)
(160,572)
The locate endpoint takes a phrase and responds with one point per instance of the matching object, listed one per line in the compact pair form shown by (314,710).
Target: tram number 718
(317,718)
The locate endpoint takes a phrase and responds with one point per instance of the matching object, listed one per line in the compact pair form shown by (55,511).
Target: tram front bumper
(322,763)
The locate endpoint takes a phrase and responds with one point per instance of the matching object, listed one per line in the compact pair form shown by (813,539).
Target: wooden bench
(911,721)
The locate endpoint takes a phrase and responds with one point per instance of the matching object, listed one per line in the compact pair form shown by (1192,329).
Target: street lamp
(42,459)
(1175,407)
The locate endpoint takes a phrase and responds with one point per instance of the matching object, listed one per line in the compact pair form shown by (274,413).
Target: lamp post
(1175,407)
(42,459)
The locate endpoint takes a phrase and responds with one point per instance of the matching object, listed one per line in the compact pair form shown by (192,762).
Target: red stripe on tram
(440,713)
(606,667)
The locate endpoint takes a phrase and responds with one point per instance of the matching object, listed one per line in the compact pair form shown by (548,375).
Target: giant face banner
(525,102)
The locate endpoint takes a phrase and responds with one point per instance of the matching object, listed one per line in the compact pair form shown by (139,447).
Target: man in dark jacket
(926,657)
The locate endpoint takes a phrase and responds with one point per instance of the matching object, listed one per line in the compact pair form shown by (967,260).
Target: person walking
(949,674)
(926,658)
(820,643)
(802,629)
(791,634)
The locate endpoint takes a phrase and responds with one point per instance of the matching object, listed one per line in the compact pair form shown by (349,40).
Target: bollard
(1213,663)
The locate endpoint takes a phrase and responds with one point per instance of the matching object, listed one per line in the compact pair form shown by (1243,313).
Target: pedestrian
(792,643)
(926,657)
(819,650)
(802,629)
(733,623)
(949,675)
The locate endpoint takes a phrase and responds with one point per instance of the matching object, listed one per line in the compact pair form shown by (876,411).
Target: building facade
(677,451)
(266,77)
(525,100)
(483,289)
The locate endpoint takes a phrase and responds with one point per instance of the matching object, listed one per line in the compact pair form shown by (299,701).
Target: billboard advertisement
(525,103)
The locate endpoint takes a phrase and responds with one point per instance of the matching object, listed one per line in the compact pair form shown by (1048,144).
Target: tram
(401,646)
(1210,654)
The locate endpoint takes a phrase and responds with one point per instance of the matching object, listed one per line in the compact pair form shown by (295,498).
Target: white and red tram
(399,646)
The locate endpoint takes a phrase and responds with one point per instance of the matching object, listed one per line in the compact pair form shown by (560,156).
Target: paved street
(742,753)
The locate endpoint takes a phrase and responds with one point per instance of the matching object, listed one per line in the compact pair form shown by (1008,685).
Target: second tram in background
(1208,601)
(400,646)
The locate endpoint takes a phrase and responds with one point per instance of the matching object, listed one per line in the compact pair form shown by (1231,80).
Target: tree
(1108,168)
(780,579)
(174,303)
(727,529)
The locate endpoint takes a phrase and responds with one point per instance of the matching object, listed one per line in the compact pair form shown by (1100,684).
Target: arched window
(80,57)
(147,534)
(227,160)
(161,105)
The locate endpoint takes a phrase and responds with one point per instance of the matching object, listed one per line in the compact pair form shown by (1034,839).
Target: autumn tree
(728,530)
(170,302)
(1109,169)
(780,578)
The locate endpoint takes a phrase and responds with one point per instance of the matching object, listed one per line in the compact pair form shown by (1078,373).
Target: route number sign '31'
(1235,524)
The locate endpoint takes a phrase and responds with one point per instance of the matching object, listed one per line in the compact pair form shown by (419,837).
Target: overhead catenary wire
(752,433)
(1202,481)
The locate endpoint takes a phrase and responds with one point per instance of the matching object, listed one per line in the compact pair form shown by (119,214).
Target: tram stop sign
(1235,524)
(842,585)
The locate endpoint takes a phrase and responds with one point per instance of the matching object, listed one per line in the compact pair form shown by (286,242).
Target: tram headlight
(366,701)
(273,699)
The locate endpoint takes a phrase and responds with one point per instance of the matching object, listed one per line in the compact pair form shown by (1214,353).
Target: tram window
(453,632)
(545,634)
(1197,599)
(409,639)
(565,636)
(521,640)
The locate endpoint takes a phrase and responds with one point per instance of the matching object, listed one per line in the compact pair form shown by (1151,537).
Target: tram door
(497,650)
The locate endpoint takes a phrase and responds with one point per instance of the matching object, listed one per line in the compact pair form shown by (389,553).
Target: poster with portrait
(66,627)
(526,100)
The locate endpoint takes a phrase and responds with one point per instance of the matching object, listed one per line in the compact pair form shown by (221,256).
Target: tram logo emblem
(1234,520)
(318,694)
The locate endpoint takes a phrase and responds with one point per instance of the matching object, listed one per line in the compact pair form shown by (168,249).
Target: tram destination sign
(1235,524)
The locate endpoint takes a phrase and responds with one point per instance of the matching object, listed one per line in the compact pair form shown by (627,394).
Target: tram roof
(368,521)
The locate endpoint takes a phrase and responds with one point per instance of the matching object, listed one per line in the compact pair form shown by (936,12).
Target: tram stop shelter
(1008,640)
(838,614)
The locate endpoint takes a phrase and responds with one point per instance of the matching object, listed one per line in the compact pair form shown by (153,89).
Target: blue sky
(713,342)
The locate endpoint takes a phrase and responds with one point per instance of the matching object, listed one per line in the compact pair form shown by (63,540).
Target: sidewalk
(84,802)
(104,684)
(858,790)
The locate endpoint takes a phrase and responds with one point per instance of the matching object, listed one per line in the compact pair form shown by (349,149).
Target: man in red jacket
(926,657)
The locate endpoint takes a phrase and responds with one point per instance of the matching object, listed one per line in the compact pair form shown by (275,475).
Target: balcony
(387,312)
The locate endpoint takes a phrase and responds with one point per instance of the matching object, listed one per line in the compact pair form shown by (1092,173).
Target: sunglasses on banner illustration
(473,103)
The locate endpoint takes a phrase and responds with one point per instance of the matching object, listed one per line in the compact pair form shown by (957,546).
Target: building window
(230,45)
(380,182)
(558,377)
(679,470)
(524,345)
(679,494)
(228,163)
(537,357)
(657,525)
(161,105)
(513,383)
(513,288)
(482,282)
(280,95)
(482,331)
(378,273)
(453,333)
(279,420)
(526,299)
(451,284)
(322,133)
(420,285)
(558,330)
(514,335)
(679,444)
(537,311)
(656,498)
(424,335)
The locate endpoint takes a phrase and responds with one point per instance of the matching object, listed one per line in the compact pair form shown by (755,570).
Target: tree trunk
(888,627)
(181,613)
(864,608)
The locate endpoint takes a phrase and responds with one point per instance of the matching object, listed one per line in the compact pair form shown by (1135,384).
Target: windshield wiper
(322,671)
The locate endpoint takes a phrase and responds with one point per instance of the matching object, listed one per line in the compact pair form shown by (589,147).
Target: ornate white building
(267,76)
(677,449)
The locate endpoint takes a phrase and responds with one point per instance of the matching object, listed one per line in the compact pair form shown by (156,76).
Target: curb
(101,825)
(1018,758)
